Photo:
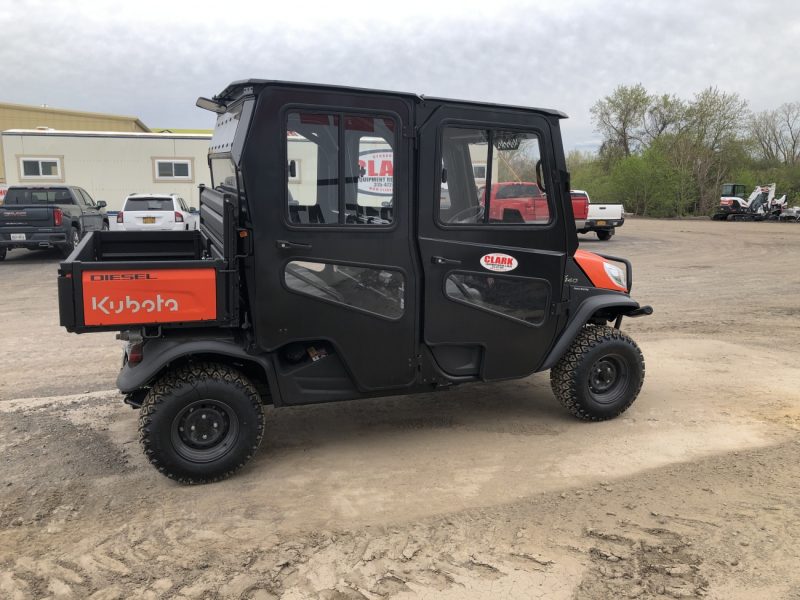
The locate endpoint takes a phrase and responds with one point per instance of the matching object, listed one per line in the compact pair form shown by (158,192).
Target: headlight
(616,274)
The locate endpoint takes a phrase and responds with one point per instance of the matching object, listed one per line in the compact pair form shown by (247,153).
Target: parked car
(525,202)
(603,219)
(157,212)
(48,217)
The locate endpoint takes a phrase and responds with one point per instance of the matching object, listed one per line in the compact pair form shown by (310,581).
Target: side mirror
(192,209)
(292,168)
(101,203)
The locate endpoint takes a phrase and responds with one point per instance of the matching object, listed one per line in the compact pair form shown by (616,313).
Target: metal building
(21,116)
(108,165)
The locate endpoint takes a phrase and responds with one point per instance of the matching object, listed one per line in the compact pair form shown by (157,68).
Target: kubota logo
(498,262)
(157,305)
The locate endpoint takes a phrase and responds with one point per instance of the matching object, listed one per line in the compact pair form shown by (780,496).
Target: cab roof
(247,87)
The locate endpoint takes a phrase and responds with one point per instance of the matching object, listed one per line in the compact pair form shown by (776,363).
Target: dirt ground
(487,491)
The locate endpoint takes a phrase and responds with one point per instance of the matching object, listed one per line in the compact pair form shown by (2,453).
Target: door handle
(440,260)
(286,245)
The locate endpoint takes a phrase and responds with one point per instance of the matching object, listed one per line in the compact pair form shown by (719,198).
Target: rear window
(38,196)
(142,204)
(519,190)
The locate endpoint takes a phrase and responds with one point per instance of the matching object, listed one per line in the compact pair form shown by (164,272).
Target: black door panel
(490,281)
(327,267)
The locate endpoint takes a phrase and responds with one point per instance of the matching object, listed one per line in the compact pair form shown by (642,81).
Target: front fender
(620,304)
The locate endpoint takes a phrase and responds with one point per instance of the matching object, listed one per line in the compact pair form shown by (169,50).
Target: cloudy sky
(152,59)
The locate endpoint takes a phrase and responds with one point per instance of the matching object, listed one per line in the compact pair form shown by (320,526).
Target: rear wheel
(201,423)
(3,252)
(605,234)
(600,375)
(73,239)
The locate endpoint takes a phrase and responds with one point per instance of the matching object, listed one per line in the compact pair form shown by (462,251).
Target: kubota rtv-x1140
(344,252)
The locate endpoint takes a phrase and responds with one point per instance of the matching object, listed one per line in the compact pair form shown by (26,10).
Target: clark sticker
(500,263)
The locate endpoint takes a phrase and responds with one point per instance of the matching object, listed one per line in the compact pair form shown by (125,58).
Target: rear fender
(160,353)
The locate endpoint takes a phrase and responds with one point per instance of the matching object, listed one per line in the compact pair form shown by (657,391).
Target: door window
(520,298)
(87,199)
(490,177)
(378,291)
(360,148)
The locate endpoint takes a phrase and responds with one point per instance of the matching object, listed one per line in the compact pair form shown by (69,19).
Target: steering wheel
(471,214)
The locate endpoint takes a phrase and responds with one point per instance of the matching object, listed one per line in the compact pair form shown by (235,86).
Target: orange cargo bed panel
(149,296)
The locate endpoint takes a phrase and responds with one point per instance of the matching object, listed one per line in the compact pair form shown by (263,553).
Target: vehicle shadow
(524,407)
(21,255)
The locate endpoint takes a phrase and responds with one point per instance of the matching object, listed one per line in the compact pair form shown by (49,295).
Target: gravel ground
(485,491)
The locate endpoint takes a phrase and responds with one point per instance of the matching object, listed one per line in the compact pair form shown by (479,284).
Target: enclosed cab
(349,254)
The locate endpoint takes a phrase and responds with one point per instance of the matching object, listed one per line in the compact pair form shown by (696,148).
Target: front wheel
(600,375)
(604,234)
(201,423)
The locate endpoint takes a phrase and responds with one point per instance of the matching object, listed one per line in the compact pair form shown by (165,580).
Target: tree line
(665,156)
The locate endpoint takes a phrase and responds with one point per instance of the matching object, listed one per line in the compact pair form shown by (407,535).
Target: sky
(152,59)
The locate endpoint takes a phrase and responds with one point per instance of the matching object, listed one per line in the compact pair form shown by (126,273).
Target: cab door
(327,176)
(492,236)
(92,217)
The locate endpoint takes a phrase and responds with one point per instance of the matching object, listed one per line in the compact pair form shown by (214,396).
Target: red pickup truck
(525,202)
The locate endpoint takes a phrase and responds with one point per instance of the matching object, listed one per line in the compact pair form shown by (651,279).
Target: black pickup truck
(47,217)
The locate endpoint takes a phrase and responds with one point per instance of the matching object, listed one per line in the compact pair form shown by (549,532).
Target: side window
(374,193)
(518,298)
(378,291)
(320,148)
(489,177)
(87,199)
(223,172)
(40,168)
(172,169)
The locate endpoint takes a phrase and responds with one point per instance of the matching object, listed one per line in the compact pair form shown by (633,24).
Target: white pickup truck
(603,219)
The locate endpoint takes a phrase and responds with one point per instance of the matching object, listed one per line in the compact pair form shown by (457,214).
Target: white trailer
(108,165)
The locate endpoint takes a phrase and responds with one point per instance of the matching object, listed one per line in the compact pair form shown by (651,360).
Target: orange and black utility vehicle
(346,251)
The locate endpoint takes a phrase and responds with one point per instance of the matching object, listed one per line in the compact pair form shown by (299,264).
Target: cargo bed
(117,280)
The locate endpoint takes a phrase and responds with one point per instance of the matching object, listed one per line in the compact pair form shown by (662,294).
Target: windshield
(40,196)
(140,204)
(519,190)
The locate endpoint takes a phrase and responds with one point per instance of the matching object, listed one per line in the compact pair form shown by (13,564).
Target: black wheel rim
(204,431)
(608,377)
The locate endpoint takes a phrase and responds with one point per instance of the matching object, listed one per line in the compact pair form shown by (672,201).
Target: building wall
(20,116)
(109,165)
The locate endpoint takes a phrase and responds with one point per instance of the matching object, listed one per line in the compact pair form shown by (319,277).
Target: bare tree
(665,114)
(619,118)
(714,123)
(776,134)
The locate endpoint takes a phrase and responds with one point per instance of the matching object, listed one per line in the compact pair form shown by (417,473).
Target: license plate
(601,222)
(149,220)
(18,237)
